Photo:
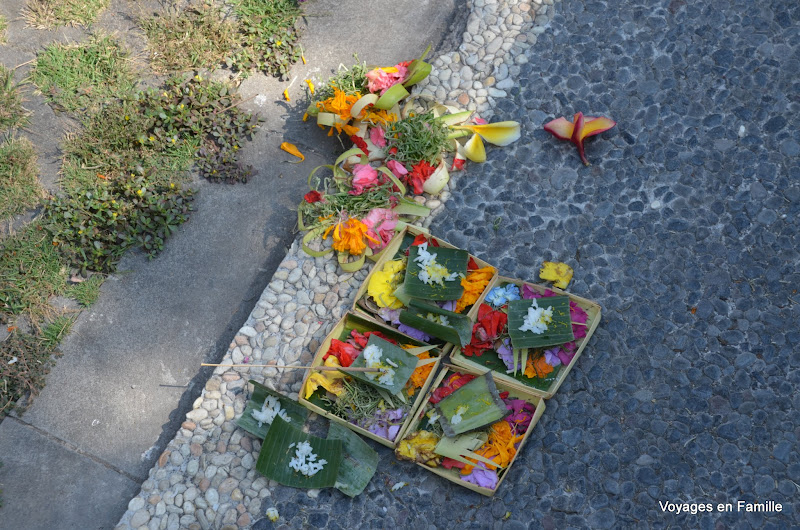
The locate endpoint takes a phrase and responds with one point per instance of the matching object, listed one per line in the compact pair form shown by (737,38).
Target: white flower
(537,318)
(270,409)
(430,271)
(304,460)
(372,359)
(399,485)
(456,419)
(273,515)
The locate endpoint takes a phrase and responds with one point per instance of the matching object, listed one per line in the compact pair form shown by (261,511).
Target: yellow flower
(278,43)
(383,283)
(332,381)
(152,138)
(310,86)
(140,192)
(349,237)
(558,273)
(419,447)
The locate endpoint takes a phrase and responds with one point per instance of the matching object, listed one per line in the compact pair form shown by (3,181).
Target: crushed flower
(537,367)
(474,284)
(430,271)
(420,374)
(383,283)
(420,447)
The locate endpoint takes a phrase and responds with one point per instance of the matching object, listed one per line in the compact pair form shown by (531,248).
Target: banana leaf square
(472,406)
(453,259)
(246,421)
(559,329)
(394,359)
(280,448)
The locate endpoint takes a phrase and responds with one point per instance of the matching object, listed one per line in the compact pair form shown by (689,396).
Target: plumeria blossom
(578,130)
(382,79)
(364,177)
(381,223)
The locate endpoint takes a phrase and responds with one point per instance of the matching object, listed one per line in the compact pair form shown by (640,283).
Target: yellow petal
(293,150)
(592,126)
(560,128)
(310,86)
(474,149)
(286,95)
(303,57)
(500,133)
(558,273)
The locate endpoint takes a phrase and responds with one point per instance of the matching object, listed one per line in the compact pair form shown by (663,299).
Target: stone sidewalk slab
(48,484)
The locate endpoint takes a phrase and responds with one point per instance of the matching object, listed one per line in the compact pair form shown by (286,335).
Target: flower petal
(560,128)
(293,150)
(474,149)
(592,126)
(500,133)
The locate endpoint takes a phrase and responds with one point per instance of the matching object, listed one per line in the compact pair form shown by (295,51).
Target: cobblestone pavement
(685,230)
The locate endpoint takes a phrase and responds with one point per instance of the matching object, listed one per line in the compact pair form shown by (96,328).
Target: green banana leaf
(406,364)
(273,460)
(246,421)
(455,260)
(480,405)
(558,331)
(418,69)
(359,461)
(459,330)
(463,446)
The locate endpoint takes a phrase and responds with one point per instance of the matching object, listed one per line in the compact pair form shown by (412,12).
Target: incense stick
(321,368)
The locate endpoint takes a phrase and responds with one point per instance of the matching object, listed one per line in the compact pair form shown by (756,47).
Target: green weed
(19,187)
(11,112)
(54,331)
(82,76)
(31,271)
(47,14)
(188,39)
(3,26)
(25,360)
(86,292)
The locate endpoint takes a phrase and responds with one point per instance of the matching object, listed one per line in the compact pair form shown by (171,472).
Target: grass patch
(54,331)
(25,360)
(123,175)
(11,112)
(46,14)
(31,270)
(3,26)
(259,36)
(81,76)
(86,292)
(192,38)
(19,187)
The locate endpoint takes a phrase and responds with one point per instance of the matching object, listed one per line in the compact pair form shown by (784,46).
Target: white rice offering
(270,409)
(305,461)
(372,359)
(430,271)
(457,417)
(537,318)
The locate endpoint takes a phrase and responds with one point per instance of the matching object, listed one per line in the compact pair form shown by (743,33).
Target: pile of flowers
(382,302)
(401,146)
(503,438)
(357,402)
(490,332)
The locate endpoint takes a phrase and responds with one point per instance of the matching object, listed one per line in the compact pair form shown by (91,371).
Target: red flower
(346,353)
(449,463)
(452,383)
(312,196)
(360,340)
(491,323)
(419,174)
(458,164)
(360,143)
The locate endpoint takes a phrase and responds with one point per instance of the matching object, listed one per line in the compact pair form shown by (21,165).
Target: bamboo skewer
(321,368)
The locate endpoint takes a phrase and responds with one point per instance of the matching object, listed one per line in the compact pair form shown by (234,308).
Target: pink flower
(377,136)
(382,79)
(381,224)
(364,177)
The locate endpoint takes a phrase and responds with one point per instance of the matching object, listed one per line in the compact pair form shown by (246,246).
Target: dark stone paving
(686,231)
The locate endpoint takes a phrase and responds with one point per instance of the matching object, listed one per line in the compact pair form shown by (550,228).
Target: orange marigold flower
(349,235)
(474,284)
(420,374)
(500,446)
(340,104)
(538,367)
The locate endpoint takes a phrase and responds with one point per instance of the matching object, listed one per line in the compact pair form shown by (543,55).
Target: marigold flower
(349,237)
(474,284)
(537,367)
(420,374)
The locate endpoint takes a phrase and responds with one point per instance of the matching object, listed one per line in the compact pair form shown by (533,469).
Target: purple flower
(506,354)
(389,315)
(521,414)
(481,476)
(385,423)
(450,305)
(551,356)
(414,333)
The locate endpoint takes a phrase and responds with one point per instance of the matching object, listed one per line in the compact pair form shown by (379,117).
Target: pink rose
(364,177)
(381,224)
